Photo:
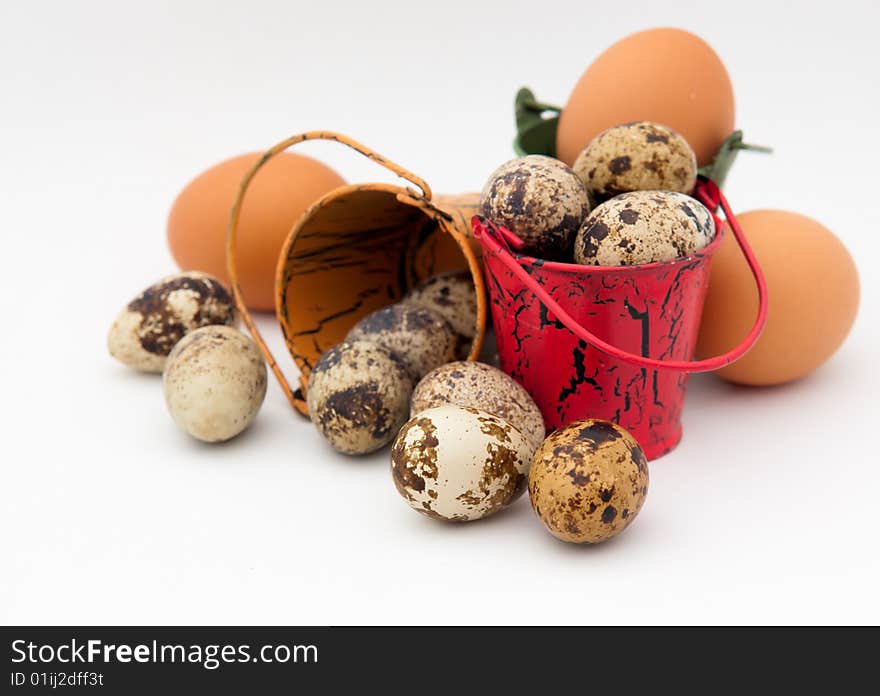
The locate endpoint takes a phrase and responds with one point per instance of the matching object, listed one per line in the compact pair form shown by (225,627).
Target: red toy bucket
(612,342)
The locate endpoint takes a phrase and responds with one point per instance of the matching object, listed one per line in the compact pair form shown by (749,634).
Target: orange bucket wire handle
(420,198)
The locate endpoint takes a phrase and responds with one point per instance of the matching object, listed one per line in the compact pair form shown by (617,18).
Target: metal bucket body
(651,310)
(610,342)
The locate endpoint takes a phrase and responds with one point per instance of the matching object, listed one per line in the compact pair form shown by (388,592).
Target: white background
(766,512)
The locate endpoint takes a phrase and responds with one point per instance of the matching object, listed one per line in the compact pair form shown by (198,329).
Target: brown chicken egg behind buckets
(665,75)
(357,249)
(610,342)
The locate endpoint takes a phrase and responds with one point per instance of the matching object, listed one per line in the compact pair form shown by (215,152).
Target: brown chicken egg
(588,481)
(813,293)
(669,76)
(280,192)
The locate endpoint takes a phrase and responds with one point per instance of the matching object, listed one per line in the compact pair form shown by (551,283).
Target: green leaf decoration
(536,125)
(726,155)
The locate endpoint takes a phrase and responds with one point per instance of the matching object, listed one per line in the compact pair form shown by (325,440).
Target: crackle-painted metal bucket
(611,342)
(357,249)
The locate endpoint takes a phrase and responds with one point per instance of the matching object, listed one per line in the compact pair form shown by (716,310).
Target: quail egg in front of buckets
(358,396)
(459,464)
(588,481)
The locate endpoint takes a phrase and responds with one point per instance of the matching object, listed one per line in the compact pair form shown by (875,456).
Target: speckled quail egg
(640,156)
(588,481)
(459,464)
(420,337)
(540,200)
(358,394)
(152,323)
(643,227)
(214,383)
(482,386)
(453,297)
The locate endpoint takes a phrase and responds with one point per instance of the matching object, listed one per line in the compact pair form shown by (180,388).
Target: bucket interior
(357,250)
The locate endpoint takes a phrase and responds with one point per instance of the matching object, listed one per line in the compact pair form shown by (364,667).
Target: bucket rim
(565,267)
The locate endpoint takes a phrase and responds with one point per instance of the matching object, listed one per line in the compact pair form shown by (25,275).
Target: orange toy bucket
(357,249)
(611,342)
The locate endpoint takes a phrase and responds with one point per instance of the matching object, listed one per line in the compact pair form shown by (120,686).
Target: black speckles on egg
(582,476)
(540,200)
(656,136)
(599,432)
(578,479)
(619,165)
(628,216)
(589,238)
(413,464)
(643,227)
(639,156)
(360,405)
(330,358)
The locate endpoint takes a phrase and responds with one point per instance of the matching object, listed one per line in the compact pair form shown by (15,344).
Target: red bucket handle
(495,240)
